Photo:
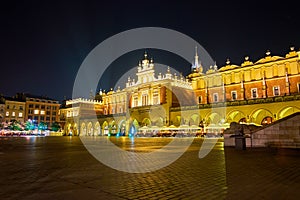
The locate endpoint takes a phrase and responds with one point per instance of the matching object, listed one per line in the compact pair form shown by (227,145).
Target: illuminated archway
(146,122)
(74,129)
(113,128)
(267,120)
(122,128)
(235,116)
(194,120)
(134,126)
(83,129)
(214,118)
(90,129)
(105,128)
(259,115)
(159,122)
(243,120)
(97,130)
(287,111)
(177,121)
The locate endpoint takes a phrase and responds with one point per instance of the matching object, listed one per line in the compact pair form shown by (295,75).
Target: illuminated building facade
(23,107)
(259,92)
(41,109)
(14,110)
(254,92)
(2,110)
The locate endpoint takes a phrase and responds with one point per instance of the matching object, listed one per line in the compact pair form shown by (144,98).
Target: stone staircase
(285,143)
(284,133)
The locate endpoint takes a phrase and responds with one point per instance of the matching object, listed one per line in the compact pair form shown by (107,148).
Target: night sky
(43,43)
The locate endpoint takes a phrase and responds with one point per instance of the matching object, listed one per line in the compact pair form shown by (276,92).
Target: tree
(15,125)
(29,126)
(42,126)
(55,126)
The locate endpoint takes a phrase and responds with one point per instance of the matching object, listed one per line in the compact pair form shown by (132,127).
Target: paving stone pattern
(61,168)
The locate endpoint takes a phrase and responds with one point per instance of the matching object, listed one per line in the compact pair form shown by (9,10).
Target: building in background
(38,109)
(41,109)
(258,92)
(2,110)
(14,110)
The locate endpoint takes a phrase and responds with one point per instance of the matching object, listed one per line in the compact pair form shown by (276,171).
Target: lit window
(145,99)
(20,114)
(7,114)
(215,97)
(155,98)
(276,90)
(135,101)
(233,95)
(42,112)
(13,114)
(199,99)
(36,112)
(254,92)
(75,113)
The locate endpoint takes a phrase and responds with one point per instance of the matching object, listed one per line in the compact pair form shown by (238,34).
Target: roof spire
(196,58)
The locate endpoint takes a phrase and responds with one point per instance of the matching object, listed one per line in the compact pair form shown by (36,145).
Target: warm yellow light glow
(20,114)
(36,112)
(42,112)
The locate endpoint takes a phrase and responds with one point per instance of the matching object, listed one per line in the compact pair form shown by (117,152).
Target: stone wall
(283,133)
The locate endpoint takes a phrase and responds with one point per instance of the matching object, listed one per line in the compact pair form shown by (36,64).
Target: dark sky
(43,43)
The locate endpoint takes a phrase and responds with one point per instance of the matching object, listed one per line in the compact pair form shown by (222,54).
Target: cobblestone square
(62,168)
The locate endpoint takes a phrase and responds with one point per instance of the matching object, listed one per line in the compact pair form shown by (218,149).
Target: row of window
(42,107)
(41,112)
(14,107)
(276,92)
(145,100)
(72,113)
(13,114)
(113,111)
(41,118)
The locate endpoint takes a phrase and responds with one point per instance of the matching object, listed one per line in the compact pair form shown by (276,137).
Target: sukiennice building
(258,93)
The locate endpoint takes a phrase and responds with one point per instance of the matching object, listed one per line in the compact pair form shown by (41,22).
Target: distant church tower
(197,66)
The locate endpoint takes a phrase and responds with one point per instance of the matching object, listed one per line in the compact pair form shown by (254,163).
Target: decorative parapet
(181,83)
(82,100)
